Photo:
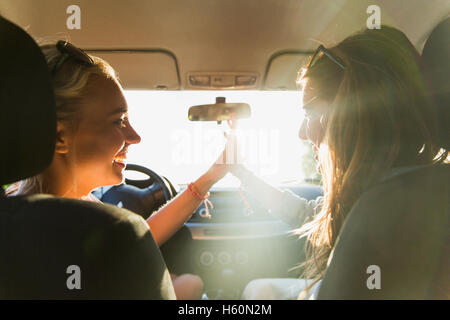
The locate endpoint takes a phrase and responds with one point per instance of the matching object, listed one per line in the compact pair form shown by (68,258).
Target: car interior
(186,66)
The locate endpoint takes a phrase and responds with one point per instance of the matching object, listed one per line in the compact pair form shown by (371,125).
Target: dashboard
(241,241)
(235,246)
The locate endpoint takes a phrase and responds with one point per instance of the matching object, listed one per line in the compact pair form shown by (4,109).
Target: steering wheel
(140,196)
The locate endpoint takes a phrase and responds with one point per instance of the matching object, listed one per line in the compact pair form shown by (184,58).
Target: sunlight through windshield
(182,150)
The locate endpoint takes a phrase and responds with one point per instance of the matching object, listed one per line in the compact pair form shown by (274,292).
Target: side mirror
(219,111)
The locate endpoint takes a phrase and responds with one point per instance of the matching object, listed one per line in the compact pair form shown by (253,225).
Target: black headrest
(435,55)
(27,105)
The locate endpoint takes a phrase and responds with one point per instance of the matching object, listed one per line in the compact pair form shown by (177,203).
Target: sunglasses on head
(320,52)
(69,51)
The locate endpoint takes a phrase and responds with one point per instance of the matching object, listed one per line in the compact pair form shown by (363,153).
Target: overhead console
(222,80)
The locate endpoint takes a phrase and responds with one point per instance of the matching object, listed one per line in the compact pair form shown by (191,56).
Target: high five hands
(229,159)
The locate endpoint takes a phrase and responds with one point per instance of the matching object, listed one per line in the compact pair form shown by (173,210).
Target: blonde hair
(71,86)
(379,118)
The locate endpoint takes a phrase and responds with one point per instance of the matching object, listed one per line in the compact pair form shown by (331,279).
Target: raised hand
(229,158)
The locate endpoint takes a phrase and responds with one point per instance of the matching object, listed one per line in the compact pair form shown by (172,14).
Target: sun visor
(143,69)
(282,70)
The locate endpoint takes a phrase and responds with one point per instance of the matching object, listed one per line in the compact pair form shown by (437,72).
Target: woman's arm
(174,214)
(171,217)
(284,204)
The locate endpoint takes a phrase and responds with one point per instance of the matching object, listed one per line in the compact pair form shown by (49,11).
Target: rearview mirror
(219,111)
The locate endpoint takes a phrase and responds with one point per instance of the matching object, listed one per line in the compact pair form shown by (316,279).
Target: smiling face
(102,137)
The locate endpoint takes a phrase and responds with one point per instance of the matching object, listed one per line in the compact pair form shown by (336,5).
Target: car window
(181,149)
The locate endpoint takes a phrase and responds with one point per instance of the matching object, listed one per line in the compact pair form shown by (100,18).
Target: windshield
(182,150)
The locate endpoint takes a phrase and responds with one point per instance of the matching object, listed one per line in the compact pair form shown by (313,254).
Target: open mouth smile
(120,159)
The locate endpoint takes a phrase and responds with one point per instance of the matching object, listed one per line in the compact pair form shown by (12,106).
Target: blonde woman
(368,119)
(93,137)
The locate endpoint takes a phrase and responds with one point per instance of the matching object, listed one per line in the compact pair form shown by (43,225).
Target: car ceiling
(166,41)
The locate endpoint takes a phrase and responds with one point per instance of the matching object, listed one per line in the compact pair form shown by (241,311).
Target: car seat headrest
(435,56)
(27,106)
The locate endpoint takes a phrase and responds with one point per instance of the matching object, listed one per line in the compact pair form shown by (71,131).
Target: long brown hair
(379,118)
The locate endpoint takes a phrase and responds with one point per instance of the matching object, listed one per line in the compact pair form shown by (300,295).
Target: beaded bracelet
(204,198)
